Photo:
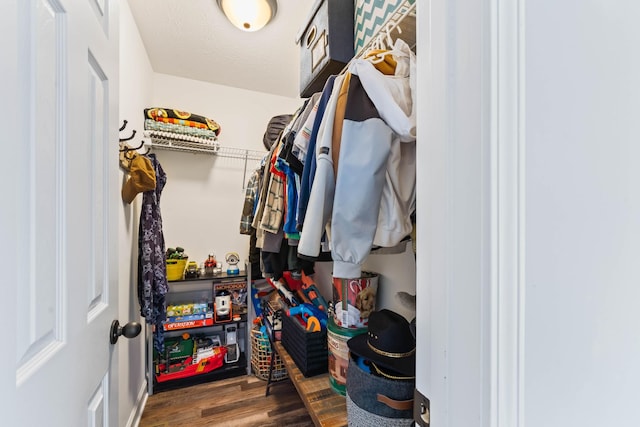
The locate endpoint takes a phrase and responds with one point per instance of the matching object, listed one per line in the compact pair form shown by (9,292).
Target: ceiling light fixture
(248,15)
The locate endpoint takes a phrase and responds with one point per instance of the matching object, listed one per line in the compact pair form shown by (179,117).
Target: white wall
(397,273)
(135,89)
(202,200)
(582,322)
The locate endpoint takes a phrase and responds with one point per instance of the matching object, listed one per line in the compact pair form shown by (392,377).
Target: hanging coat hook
(124,125)
(127,148)
(133,133)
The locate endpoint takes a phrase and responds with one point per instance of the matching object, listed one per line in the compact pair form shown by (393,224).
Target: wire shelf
(200,146)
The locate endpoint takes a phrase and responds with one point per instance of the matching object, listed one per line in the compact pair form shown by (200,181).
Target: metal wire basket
(261,354)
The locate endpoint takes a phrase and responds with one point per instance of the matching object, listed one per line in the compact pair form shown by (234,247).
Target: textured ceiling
(193,39)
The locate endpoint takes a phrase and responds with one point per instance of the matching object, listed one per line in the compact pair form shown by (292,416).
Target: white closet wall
(202,200)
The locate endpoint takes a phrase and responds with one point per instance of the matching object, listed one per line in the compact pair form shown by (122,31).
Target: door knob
(130,330)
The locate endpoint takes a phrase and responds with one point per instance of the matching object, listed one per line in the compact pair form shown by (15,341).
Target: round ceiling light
(248,15)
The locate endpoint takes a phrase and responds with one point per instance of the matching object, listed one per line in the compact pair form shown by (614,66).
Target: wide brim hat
(388,343)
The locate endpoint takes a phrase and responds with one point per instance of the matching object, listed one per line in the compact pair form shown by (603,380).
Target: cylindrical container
(354,300)
(338,353)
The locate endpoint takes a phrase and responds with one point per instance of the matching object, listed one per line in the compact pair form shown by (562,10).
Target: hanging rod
(403,19)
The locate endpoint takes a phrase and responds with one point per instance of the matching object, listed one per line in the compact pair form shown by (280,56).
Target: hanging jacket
(250,198)
(371,197)
(309,169)
(320,206)
(301,141)
(263,188)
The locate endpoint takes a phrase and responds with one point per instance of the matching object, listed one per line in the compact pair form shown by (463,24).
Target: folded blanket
(177,137)
(189,123)
(159,114)
(184,130)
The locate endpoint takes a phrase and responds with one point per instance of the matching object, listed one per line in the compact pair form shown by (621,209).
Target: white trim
(136,414)
(507,218)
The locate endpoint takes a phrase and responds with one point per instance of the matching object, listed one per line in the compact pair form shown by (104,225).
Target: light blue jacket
(371,200)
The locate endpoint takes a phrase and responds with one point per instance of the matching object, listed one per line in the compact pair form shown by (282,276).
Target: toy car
(192,270)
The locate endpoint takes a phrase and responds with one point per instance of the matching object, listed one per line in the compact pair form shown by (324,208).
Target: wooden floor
(234,402)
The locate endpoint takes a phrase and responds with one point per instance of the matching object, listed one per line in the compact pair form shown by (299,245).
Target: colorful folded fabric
(158,114)
(172,136)
(180,129)
(189,123)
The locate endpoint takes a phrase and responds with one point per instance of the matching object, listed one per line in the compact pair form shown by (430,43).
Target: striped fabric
(181,122)
(178,137)
(369,17)
(180,129)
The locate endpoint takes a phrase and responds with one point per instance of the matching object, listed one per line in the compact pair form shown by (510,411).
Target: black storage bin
(307,349)
(326,43)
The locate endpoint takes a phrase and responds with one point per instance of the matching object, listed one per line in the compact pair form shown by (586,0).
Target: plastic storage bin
(175,269)
(307,349)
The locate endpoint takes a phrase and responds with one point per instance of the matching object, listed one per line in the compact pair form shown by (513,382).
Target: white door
(528,229)
(58,226)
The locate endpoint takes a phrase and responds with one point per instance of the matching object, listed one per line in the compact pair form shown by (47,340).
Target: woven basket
(261,358)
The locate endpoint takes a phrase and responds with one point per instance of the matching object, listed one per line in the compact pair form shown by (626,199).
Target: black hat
(388,343)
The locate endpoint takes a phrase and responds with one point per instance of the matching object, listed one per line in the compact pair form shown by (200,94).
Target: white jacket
(375,190)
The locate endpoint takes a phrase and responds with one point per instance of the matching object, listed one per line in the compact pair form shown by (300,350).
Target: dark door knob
(130,330)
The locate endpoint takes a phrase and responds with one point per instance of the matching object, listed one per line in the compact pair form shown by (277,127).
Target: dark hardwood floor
(233,402)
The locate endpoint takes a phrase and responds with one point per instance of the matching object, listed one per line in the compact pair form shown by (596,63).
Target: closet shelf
(208,147)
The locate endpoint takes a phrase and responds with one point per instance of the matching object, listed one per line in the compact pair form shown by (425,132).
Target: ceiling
(193,39)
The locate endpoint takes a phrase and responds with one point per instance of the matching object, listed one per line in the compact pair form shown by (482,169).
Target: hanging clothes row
(270,197)
(341,178)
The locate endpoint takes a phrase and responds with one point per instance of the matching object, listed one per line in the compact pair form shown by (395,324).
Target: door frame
(470,216)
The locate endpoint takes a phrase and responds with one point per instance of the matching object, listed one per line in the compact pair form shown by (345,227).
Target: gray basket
(363,406)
